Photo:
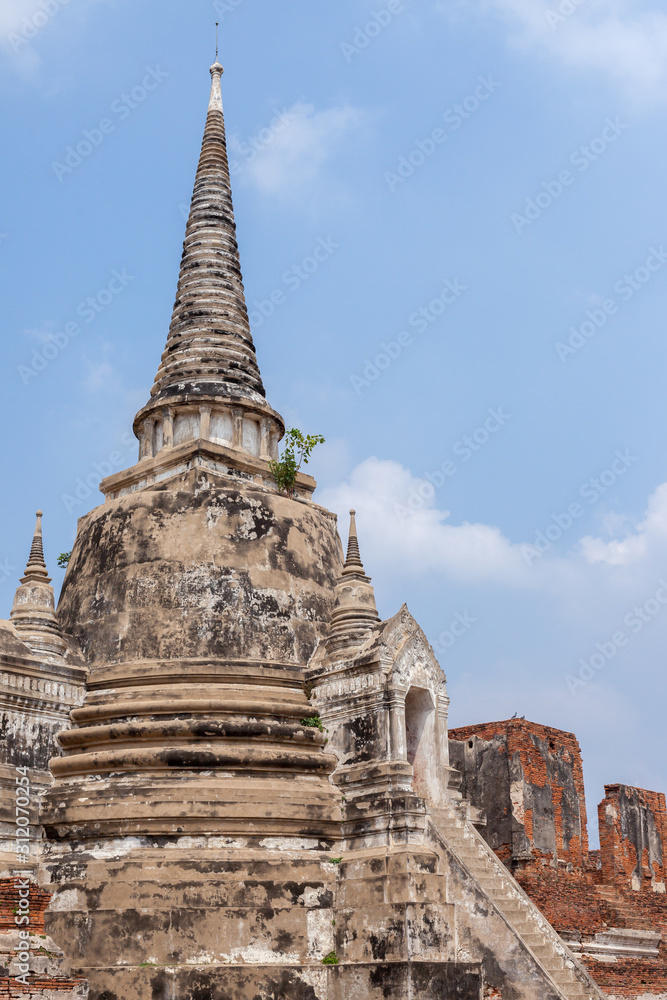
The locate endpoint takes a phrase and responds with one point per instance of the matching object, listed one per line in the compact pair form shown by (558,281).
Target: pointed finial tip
(353,513)
(40,513)
(216,65)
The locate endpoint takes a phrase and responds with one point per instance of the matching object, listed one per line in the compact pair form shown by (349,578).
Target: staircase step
(455,824)
(536,937)
(543,952)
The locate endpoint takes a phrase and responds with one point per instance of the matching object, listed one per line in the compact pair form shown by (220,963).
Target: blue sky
(488,181)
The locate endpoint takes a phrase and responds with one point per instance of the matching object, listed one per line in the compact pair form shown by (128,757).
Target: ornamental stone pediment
(406,651)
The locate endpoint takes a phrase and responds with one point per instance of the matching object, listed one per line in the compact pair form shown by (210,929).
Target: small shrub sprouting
(298,449)
(313,722)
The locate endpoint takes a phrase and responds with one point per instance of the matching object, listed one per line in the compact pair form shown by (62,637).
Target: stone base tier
(224,752)
(192,918)
(414,980)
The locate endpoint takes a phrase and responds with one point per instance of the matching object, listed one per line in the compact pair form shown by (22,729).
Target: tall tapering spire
(209,347)
(355,612)
(208,386)
(33,613)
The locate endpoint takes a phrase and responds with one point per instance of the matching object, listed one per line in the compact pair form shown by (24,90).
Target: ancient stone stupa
(249,794)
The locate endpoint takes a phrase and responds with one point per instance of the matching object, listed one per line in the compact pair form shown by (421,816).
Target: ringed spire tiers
(209,348)
(353,561)
(33,613)
(36,568)
(208,385)
(355,613)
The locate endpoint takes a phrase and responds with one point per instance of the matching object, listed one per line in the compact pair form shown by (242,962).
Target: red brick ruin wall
(42,986)
(551,818)
(528,779)
(9,902)
(633,836)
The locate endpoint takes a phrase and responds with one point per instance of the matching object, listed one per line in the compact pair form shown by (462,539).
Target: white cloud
(570,649)
(13,12)
(99,376)
(650,536)
(422,539)
(288,155)
(42,334)
(624,39)
(403,530)
(22,23)
(100,373)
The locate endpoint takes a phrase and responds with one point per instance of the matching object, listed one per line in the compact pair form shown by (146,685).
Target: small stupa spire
(36,568)
(355,613)
(33,613)
(353,561)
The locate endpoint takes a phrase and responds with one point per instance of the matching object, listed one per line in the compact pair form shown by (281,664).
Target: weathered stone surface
(196,606)
(429,981)
(196,568)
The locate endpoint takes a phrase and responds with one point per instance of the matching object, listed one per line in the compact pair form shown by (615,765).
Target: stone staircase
(455,825)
